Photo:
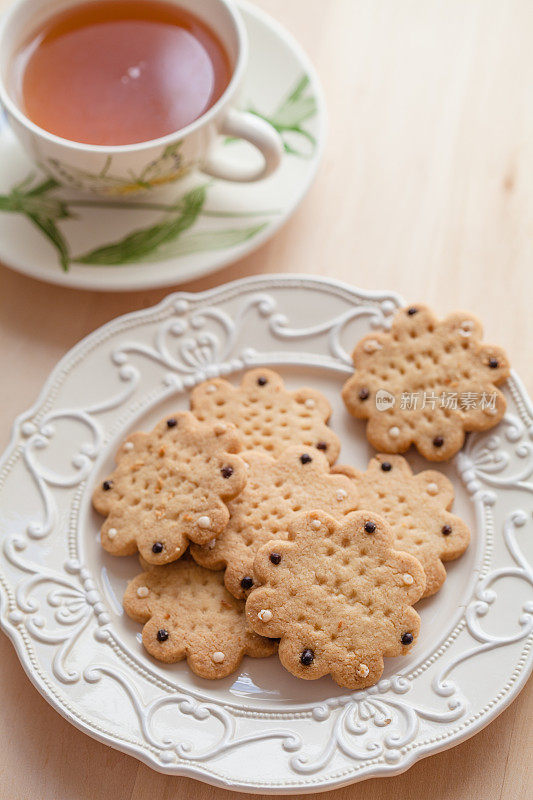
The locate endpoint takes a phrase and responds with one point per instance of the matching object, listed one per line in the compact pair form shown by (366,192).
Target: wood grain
(424,189)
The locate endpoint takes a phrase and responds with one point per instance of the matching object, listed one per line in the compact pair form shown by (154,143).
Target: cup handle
(253,129)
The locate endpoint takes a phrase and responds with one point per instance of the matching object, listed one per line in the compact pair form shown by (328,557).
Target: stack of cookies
(253,541)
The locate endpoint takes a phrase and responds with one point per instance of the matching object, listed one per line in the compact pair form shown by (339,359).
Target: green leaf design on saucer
(141,244)
(203,241)
(289,117)
(41,210)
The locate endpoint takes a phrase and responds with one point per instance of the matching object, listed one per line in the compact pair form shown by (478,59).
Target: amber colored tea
(115,73)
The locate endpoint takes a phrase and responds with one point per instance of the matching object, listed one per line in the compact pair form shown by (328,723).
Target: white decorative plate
(57,235)
(261,729)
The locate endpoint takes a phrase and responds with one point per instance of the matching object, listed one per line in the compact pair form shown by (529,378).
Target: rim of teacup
(169,138)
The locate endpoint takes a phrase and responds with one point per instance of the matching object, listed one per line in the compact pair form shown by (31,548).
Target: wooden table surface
(425,189)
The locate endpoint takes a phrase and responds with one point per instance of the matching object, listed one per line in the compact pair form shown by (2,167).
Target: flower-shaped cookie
(426,382)
(416,508)
(170,486)
(189,614)
(268,416)
(276,491)
(338,596)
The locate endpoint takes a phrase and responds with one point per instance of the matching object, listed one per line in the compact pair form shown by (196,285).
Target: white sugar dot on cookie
(218,657)
(466,327)
(372,346)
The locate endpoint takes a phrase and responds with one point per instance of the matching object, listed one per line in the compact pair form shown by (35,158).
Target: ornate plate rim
(202,771)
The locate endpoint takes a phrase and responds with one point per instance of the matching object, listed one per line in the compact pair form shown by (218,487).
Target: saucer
(53,234)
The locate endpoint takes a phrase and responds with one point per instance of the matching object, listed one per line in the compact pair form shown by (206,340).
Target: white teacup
(122,170)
